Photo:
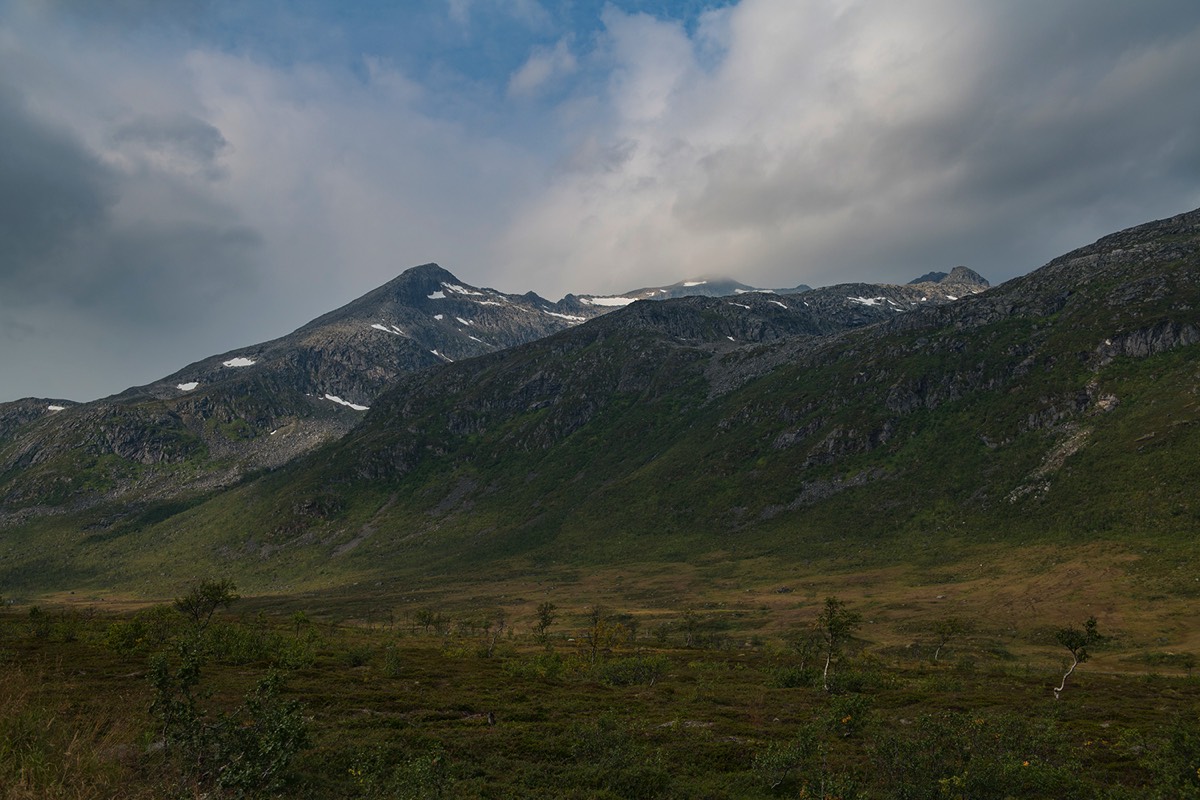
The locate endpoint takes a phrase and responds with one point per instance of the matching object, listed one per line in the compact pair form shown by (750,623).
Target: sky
(179,179)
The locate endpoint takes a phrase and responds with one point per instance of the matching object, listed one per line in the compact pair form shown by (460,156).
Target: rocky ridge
(208,424)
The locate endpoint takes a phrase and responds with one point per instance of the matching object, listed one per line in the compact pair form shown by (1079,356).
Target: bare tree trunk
(1063,685)
(825,674)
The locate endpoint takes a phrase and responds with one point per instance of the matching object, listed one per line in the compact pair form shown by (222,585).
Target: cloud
(51,189)
(179,180)
(826,141)
(459,10)
(542,67)
(177,143)
(113,242)
(529,13)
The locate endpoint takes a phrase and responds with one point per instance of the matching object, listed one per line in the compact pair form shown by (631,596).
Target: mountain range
(261,406)
(858,427)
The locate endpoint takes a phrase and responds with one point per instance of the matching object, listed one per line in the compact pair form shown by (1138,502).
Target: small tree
(1078,642)
(689,623)
(602,634)
(199,604)
(545,618)
(426,618)
(836,624)
(945,630)
(493,629)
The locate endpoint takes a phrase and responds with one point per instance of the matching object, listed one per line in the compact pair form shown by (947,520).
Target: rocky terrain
(210,423)
(878,421)
(770,418)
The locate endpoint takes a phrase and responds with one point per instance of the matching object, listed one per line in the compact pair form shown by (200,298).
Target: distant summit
(707,286)
(959,275)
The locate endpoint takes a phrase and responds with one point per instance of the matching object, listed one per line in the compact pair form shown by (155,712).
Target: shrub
(401,774)
(781,763)
(792,677)
(392,663)
(358,655)
(147,630)
(548,666)
(610,755)
(247,751)
(847,715)
(966,755)
(632,670)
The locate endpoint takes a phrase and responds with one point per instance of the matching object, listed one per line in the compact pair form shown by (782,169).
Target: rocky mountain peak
(965,275)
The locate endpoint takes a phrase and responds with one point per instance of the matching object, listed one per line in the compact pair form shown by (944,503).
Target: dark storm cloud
(129,248)
(191,143)
(51,191)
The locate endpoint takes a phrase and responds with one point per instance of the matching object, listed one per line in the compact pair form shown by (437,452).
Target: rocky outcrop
(1148,341)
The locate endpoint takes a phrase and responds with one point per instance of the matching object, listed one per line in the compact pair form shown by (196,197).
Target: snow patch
(776,302)
(439,316)
(240,361)
(439,355)
(464,321)
(439,295)
(345,403)
(951,297)
(567,317)
(489,303)
(454,287)
(393,329)
(866,301)
(730,338)
(614,302)
(739,305)
(694,283)
(56,408)
(187,387)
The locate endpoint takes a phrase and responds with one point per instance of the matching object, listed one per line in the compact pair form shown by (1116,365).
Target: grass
(392,711)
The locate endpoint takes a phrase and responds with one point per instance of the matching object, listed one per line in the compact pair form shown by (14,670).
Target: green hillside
(1053,414)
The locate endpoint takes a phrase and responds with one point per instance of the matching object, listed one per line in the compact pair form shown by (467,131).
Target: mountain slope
(1057,408)
(210,423)
(260,406)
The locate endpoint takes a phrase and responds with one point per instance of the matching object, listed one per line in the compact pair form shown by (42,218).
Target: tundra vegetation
(567,699)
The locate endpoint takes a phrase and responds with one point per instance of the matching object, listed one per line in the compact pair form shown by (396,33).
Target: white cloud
(543,66)
(841,140)
(459,10)
(529,13)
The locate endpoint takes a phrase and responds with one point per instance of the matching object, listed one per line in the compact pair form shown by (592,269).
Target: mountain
(853,427)
(216,419)
(694,287)
(212,422)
